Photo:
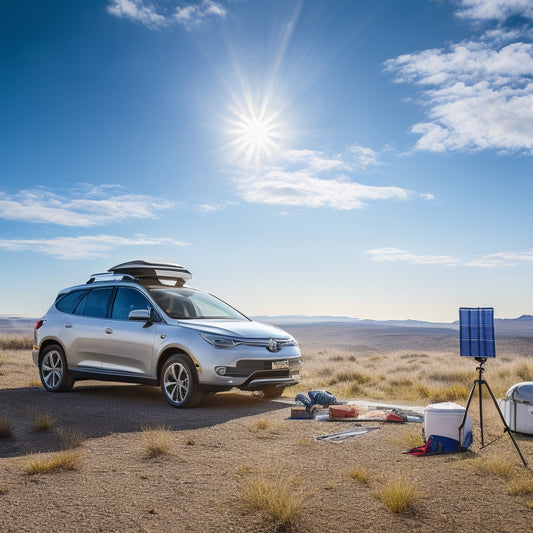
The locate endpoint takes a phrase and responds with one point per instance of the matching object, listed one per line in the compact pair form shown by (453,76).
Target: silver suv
(139,323)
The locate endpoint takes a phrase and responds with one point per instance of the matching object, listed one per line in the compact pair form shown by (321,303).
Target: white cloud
(389,255)
(189,16)
(82,247)
(494,9)
(496,260)
(91,207)
(310,178)
(137,11)
(478,94)
(502,259)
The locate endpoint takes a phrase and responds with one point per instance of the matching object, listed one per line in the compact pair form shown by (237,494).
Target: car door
(81,331)
(128,344)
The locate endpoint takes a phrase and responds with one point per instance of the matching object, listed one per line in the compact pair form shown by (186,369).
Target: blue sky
(367,158)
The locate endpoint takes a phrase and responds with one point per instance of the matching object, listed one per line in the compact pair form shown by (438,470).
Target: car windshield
(186,303)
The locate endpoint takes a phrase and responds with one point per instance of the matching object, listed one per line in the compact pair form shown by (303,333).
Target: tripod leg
(462,424)
(507,429)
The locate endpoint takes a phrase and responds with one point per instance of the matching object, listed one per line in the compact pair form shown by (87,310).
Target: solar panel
(476,331)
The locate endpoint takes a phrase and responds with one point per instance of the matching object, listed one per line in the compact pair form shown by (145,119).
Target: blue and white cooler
(443,420)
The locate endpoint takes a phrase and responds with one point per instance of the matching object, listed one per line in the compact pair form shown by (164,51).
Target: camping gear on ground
(341,435)
(300,412)
(342,411)
(436,445)
(317,397)
(443,420)
(517,407)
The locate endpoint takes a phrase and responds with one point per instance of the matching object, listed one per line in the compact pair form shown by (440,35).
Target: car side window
(95,303)
(126,301)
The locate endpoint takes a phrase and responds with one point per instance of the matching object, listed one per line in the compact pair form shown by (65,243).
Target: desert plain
(127,462)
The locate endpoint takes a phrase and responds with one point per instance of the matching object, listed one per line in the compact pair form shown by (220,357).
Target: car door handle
(108,331)
(69,325)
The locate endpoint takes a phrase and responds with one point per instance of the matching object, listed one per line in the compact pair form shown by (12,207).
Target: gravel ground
(216,449)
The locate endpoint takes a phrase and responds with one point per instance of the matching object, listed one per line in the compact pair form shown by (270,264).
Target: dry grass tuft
(498,466)
(157,441)
(34,383)
(520,487)
(61,461)
(5,427)
(359,474)
(276,498)
(70,438)
(399,496)
(3,490)
(408,441)
(42,422)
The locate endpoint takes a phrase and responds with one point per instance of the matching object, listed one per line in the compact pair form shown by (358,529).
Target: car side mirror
(142,315)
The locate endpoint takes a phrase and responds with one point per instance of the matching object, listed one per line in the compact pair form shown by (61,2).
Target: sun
(255,131)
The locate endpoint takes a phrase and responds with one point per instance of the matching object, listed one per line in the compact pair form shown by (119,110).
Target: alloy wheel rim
(52,369)
(177,382)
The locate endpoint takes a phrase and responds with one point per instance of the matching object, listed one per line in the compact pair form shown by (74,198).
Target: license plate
(280,365)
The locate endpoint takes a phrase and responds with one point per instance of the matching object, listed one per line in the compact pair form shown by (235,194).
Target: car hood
(247,329)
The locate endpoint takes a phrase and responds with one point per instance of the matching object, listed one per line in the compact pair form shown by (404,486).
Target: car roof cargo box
(521,392)
(153,273)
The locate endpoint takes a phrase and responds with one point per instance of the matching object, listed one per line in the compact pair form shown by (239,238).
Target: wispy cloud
(496,260)
(503,259)
(389,255)
(82,247)
(84,207)
(155,17)
(310,178)
(478,94)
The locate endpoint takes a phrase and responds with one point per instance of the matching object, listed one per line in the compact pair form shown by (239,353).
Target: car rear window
(67,302)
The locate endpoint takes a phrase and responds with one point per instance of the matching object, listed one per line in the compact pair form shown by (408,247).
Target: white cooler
(517,407)
(444,419)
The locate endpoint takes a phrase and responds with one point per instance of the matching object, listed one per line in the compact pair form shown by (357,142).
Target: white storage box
(444,419)
(517,407)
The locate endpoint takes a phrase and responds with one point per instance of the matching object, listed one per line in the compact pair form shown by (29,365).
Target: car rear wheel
(272,391)
(53,370)
(179,382)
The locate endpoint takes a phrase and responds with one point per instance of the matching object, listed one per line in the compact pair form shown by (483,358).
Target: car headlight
(219,341)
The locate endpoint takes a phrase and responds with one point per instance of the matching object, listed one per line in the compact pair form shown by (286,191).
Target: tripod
(479,383)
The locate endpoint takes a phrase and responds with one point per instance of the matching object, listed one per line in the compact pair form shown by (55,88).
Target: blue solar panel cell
(476,332)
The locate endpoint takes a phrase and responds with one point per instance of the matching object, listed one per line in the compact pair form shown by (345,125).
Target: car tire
(179,382)
(272,391)
(53,370)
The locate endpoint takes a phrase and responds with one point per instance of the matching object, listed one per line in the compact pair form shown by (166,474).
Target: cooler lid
(448,407)
(522,392)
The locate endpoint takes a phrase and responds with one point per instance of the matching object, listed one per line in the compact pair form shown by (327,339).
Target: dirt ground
(216,449)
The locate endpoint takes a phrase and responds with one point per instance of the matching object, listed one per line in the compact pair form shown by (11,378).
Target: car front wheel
(53,370)
(179,382)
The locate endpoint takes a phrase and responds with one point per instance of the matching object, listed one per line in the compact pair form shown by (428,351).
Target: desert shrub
(410,440)
(347,375)
(3,490)
(65,460)
(359,474)
(42,422)
(157,441)
(5,427)
(70,438)
(456,391)
(276,498)
(399,496)
(16,341)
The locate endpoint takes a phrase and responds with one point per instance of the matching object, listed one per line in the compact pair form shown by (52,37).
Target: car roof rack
(107,276)
(153,273)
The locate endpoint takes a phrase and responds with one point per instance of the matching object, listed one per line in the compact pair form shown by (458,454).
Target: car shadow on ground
(99,410)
